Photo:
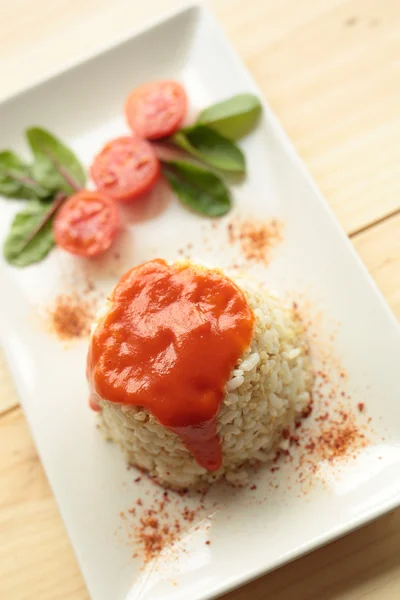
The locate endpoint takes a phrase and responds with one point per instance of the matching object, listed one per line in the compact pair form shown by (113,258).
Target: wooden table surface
(331,71)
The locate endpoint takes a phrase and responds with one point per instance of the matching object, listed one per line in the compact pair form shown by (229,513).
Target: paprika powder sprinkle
(255,239)
(163,522)
(71,315)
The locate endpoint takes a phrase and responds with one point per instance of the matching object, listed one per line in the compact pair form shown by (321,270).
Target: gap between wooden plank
(368,226)
(9,410)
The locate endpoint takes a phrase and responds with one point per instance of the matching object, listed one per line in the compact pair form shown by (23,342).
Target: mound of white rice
(268,391)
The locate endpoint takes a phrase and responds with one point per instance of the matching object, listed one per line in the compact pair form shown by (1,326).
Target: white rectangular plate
(83,106)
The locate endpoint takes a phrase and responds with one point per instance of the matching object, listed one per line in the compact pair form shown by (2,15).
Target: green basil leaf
(56,166)
(30,238)
(211,147)
(16,180)
(233,118)
(197,188)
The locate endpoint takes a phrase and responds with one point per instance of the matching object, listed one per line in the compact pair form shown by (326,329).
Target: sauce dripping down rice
(268,390)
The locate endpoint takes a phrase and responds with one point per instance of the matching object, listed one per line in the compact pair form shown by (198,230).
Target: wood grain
(36,558)
(379,247)
(8,395)
(330,70)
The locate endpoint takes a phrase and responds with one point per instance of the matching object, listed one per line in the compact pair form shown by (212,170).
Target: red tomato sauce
(169,343)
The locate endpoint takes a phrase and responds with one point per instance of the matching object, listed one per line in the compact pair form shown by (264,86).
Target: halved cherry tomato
(156,109)
(126,168)
(86,224)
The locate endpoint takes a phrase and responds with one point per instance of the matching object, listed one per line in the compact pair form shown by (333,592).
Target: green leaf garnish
(234,118)
(30,238)
(16,179)
(210,147)
(56,166)
(199,189)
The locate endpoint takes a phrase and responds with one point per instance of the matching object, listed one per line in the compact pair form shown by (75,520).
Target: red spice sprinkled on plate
(339,437)
(71,315)
(186,251)
(170,515)
(253,487)
(255,239)
(188,515)
(323,417)
(153,541)
(335,434)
